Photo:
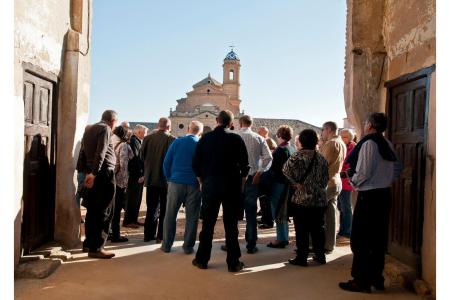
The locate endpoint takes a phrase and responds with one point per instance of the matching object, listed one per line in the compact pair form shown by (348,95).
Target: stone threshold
(42,262)
(403,275)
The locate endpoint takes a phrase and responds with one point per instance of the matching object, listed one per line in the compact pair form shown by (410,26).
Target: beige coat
(334,151)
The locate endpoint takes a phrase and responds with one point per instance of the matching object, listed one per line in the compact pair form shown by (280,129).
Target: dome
(232,56)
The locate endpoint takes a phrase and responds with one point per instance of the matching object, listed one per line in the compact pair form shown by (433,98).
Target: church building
(209,97)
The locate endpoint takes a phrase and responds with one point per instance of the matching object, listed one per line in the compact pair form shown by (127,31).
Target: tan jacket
(334,151)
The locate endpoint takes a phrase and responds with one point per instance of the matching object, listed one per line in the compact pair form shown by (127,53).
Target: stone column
(72,114)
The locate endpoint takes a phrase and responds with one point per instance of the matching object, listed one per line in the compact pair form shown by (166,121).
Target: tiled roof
(207,80)
(232,56)
(149,125)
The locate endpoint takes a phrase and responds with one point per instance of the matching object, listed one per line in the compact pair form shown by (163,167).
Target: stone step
(402,275)
(38,268)
(52,250)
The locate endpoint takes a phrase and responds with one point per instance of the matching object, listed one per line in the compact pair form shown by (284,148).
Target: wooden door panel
(407,131)
(38,207)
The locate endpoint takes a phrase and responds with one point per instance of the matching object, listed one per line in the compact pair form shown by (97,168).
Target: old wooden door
(407,110)
(39,161)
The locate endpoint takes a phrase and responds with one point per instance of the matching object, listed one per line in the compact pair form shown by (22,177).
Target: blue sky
(147,54)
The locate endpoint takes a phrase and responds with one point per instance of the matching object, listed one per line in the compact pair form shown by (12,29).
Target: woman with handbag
(307,171)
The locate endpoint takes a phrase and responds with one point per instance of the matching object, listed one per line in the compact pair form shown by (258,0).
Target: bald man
(183,187)
(153,150)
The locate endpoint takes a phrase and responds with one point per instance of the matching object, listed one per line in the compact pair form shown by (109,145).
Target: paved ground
(141,271)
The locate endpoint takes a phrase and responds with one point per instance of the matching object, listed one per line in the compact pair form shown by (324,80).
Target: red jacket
(345,181)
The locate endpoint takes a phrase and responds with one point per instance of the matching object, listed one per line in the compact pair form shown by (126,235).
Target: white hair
(196,127)
(351,134)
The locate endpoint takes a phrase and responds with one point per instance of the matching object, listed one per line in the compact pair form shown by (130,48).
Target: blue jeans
(276,193)
(250,207)
(176,195)
(344,206)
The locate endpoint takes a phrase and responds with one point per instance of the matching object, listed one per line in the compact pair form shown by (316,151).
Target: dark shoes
(240,265)
(149,239)
(320,259)
(379,286)
(119,239)
(353,286)
(158,241)
(164,249)
(265,226)
(101,254)
(252,250)
(131,225)
(223,248)
(278,245)
(199,265)
(298,262)
(188,250)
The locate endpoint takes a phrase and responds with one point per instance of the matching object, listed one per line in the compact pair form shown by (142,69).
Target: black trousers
(266,210)
(134,198)
(156,210)
(217,191)
(264,200)
(309,221)
(369,235)
(99,210)
(119,204)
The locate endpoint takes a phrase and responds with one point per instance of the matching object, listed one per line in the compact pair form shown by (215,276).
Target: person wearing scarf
(373,168)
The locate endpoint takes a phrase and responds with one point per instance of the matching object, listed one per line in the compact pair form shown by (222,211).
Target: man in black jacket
(221,165)
(100,184)
(135,179)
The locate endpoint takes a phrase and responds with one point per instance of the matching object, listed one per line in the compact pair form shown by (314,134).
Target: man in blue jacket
(183,187)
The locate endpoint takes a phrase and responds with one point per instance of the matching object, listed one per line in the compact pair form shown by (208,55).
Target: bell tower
(231,84)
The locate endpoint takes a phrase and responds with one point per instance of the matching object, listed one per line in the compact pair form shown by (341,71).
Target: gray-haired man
(100,182)
(183,187)
(135,179)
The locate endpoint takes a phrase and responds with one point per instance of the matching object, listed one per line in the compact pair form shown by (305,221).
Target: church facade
(209,96)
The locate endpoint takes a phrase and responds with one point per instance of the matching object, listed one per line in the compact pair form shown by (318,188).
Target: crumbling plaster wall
(39,28)
(385,40)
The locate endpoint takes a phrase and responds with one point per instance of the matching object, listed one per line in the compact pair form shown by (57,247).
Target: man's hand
(89,180)
(256,178)
(141,179)
(244,179)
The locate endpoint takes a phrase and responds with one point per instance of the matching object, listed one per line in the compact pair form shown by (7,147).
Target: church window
(181,126)
(208,91)
(231,77)
(206,116)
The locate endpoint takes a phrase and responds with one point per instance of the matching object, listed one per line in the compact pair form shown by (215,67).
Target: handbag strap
(308,170)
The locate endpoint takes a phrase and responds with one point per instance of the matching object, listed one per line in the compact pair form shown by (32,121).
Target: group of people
(233,168)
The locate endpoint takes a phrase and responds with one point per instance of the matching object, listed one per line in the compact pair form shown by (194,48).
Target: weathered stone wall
(385,40)
(208,119)
(43,38)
